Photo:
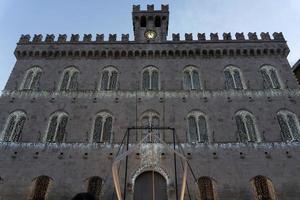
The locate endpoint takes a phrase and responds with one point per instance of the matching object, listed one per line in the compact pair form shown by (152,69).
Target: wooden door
(150,185)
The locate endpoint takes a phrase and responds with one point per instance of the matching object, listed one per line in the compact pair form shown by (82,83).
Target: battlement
(150,8)
(188,37)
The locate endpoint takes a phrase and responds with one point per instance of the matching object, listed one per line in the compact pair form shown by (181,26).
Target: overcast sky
(114,16)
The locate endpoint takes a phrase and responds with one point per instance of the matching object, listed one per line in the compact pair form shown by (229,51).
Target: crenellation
(136,8)
(50,38)
(150,7)
(176,37)
(24,39)
(278,36)
(227,36)
(87,38)
(74,38)
(99,37)
(265,36)
(125,38)
(252,36)
(214,37)
(62,38)
(201,37)
(165,8)
(239,36)
(112,38)
(37,38)
(188,37)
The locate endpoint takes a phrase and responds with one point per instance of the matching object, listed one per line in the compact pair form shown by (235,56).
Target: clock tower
(150,25)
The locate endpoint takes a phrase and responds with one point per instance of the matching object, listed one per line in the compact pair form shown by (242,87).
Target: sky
(114,16)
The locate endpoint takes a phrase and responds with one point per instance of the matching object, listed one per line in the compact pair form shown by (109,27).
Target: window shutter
(97,129)
(28,80)
(266,79)
(193,134)
(228,80)
(18,129)
(107,130)
(146,80)
(251,128)
(237,80)
(61,129)
(196,80)
(154,80)
(284,127)
(65,81)
(113,81)
(52,129)
(104,81)
(10,127)
(241,129)
(202,129)
(36,81)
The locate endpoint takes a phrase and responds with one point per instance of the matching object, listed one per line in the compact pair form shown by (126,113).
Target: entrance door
(150,185)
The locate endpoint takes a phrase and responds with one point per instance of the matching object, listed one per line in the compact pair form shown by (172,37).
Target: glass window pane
(107,131)
(241,129)
(251,128)
(18,129)
(266,79)
(97,129)
(293,126)
(73,81)
(61,129)
(202,129)
(52,129)
(113,81)
(146,80)
(196,80)
(104,81)
(28,80)
(274,79)
(228,80)
(284,127)
(193,134)
(9,128)
(154,80)
(36,81)
(65,81)
(237,80)
(187,81)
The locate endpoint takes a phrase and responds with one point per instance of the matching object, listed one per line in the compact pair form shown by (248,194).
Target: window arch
(40,188)
(233,78)
(207,188)
(246,125)
(197,127)
(150,77)
(95,186)
(57,127)
(14,127)
(191,78)
(289,125)
(69,80)
(150,119)
(263,188)
(102,129)
(143,21)
(270,77)
(32,79)
(109,79)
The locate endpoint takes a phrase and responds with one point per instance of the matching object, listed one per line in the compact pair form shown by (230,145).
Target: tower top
(150,25)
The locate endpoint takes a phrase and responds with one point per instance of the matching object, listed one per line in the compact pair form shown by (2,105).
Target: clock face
(150,34)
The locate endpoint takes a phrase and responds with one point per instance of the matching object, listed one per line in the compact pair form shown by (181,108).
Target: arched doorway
(150,185)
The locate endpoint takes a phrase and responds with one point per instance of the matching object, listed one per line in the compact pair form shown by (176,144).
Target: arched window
(246,125)
(69,79)
(207,188)
(191,79)
(150,78)
(263,188)
(233,78)
(95,186)
(40,188)
(14,127)
(143,21)
(31,79)
(157,21)
(289,125)
(57,127)
(150,119)
(102,130)
(270,77)
(109,79)
(197,127)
